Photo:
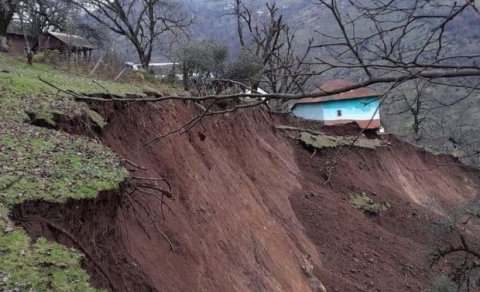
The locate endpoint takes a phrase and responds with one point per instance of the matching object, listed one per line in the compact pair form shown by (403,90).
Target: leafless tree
(22,14)
(141,22)
(46,14)
(463,253)
(271,40)
(394,41)
(36,16)
(379,43)
(7,10)
(414,102)
(402,43)
(384,43)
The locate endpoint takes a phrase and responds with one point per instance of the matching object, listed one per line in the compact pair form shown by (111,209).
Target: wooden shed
(16,39)
(73,47)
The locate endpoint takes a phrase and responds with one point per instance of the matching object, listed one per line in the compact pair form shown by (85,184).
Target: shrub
(367,205)
(53,56)
(39,58)
(134,77)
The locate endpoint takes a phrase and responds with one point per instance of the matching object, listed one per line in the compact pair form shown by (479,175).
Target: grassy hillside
(38,163)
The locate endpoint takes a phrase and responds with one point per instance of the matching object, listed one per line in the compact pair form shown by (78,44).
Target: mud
(391,251)
(251,210)
(96,225)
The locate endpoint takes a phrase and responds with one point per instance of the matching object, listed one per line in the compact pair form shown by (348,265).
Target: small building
(16,39)
(359,105)
(73,47)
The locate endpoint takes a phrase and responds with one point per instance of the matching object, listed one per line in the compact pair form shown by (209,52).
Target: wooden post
(96,65)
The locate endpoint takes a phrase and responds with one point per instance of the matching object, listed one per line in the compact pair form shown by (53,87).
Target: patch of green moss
(43,164)
(325,141)
(367,205)
(42,118)
(41,145)
(96,118)
(39,266)
(319,142)
(50,165)
(24,97)
(3,214)
(364,143)
(8,140)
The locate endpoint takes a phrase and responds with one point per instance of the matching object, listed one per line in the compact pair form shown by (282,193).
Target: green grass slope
(44,164)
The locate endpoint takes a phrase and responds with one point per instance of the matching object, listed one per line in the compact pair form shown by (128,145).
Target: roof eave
(333,99)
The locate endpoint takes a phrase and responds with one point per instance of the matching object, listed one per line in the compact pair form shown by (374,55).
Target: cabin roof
(338,84)
(72,40)
(15,28)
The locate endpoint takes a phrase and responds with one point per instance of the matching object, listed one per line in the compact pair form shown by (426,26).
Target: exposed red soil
(252,212)
(95,225)
(389,252)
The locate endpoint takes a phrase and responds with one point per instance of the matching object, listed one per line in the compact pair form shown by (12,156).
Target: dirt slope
(251,211)
(388,252)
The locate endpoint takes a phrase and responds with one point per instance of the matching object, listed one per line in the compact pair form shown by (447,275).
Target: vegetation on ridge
(44,164)
(325,141)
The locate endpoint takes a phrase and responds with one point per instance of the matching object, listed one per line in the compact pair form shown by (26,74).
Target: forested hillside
(446,118)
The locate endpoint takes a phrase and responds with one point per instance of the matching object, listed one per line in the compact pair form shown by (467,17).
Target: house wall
(309,111)
(16,44)
(362,109)
(50,43)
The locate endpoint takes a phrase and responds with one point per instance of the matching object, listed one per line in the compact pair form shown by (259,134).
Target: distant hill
(212,19)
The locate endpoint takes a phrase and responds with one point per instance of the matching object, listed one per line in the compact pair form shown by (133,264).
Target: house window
(339,113)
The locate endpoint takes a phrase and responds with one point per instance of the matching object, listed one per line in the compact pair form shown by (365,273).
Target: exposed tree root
(153,220)
(147,186)
(134,164)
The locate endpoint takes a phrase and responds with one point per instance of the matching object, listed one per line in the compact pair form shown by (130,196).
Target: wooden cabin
(16,39)
(72,47)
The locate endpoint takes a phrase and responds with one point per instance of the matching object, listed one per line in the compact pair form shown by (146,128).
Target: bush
(39,58)
(134,77)
(247,66)
(203,57)
(147,75)
(367,205)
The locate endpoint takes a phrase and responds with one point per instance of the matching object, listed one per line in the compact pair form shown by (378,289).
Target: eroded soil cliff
(251,209)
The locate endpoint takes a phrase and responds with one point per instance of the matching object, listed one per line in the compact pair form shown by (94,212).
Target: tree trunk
(144,60)
(25,37)
(6,14)
(30,57)
(186,86)
(3,44)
